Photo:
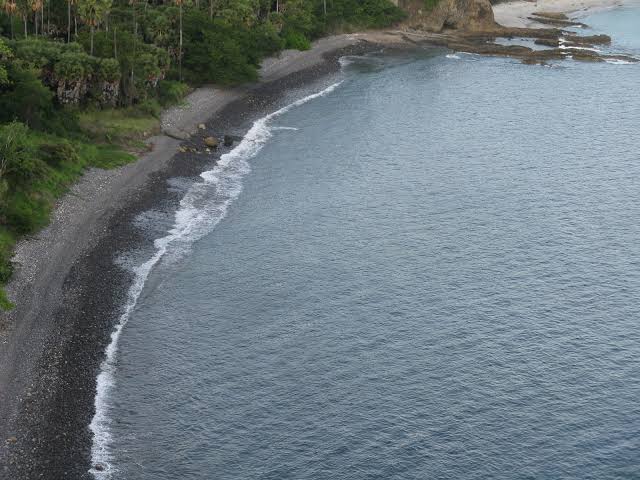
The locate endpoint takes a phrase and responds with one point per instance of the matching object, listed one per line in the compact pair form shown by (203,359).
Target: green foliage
(430,4)
(106,69)
(26,99)
(5,56)
(40,54)
(73,66)
(171,92)
(26,212)
(18,160)
(45,145)
(122,126)
(214,52)
(362,14)
(296,40)
(6,246)
(57,154)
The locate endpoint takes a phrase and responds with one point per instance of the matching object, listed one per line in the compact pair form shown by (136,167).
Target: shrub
(73,67)
(171,92)
(430,4)
(26,99)
(58,154)
(6,248)
(18,155)
(26,212)
(215,52)
(149,107)
(297,41)
(106,69)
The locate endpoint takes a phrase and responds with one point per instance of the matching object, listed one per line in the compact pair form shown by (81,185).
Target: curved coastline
(69,291)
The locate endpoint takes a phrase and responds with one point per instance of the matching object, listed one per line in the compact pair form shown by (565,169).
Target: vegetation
(81,81)
(430,4)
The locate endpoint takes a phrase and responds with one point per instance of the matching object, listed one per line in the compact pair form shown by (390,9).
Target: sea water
(427,267)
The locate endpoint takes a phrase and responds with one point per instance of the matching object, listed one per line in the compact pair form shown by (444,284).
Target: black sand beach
(70,291)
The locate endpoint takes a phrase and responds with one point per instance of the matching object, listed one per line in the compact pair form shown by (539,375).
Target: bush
(171,92)
(18,155)
(73,67)
(214,52)
(6,249)
(57,154)
(148,107)
(297,41)
(430,4)
(26,99)
(106,70)
(26,212)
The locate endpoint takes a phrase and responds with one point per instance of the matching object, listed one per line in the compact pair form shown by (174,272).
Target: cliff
(462,15)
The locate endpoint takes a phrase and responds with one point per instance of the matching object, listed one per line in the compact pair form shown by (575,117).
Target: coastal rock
(71,92)
(211,142)
(202,126)
(109,93)
(228,140)
(590,40)
(176,133)
(462,15)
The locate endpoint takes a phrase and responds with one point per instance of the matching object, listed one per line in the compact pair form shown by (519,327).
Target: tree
(69,3)
(10,7)
(92,12)
(179,3)
(35,6)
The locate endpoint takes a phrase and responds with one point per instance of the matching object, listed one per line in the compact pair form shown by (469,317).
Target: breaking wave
(204,205)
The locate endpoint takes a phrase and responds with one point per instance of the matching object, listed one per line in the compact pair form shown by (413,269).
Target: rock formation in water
(470,26)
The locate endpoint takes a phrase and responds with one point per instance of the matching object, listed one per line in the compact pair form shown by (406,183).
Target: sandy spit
(516,14)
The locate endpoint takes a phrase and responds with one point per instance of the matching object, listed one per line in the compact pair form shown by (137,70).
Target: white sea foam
(200,210)
(563,46)
(619,61)
(453,56)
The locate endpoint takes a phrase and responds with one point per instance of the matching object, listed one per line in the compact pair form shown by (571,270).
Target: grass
(27,209)
(126,127)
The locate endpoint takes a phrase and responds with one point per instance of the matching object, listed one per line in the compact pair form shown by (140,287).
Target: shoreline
(68,289)
(516,14)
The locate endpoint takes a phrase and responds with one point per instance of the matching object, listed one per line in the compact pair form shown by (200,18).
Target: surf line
(195,217)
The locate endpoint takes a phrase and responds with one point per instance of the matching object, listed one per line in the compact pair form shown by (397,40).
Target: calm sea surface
(430,271)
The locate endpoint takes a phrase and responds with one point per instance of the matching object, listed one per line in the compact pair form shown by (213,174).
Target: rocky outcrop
(71,92)
(461,15)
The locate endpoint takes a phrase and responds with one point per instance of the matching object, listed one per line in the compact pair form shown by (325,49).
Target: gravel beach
(68,289)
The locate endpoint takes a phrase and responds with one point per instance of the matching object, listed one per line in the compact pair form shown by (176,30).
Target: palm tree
(69,3)
(93,12)
(179,3)
(10,7)
(35,7)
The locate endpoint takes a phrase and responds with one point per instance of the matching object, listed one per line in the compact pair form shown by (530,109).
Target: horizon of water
(425,270)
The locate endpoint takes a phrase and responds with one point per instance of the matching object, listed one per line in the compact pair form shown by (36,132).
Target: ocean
(424,266)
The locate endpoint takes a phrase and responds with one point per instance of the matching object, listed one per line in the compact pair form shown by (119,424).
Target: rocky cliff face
(463,15)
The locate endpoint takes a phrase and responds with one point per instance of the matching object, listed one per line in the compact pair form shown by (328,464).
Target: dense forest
(82,82)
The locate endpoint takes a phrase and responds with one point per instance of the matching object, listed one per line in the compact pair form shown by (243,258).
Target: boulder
(228,140)
(176,133)
(211,142)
